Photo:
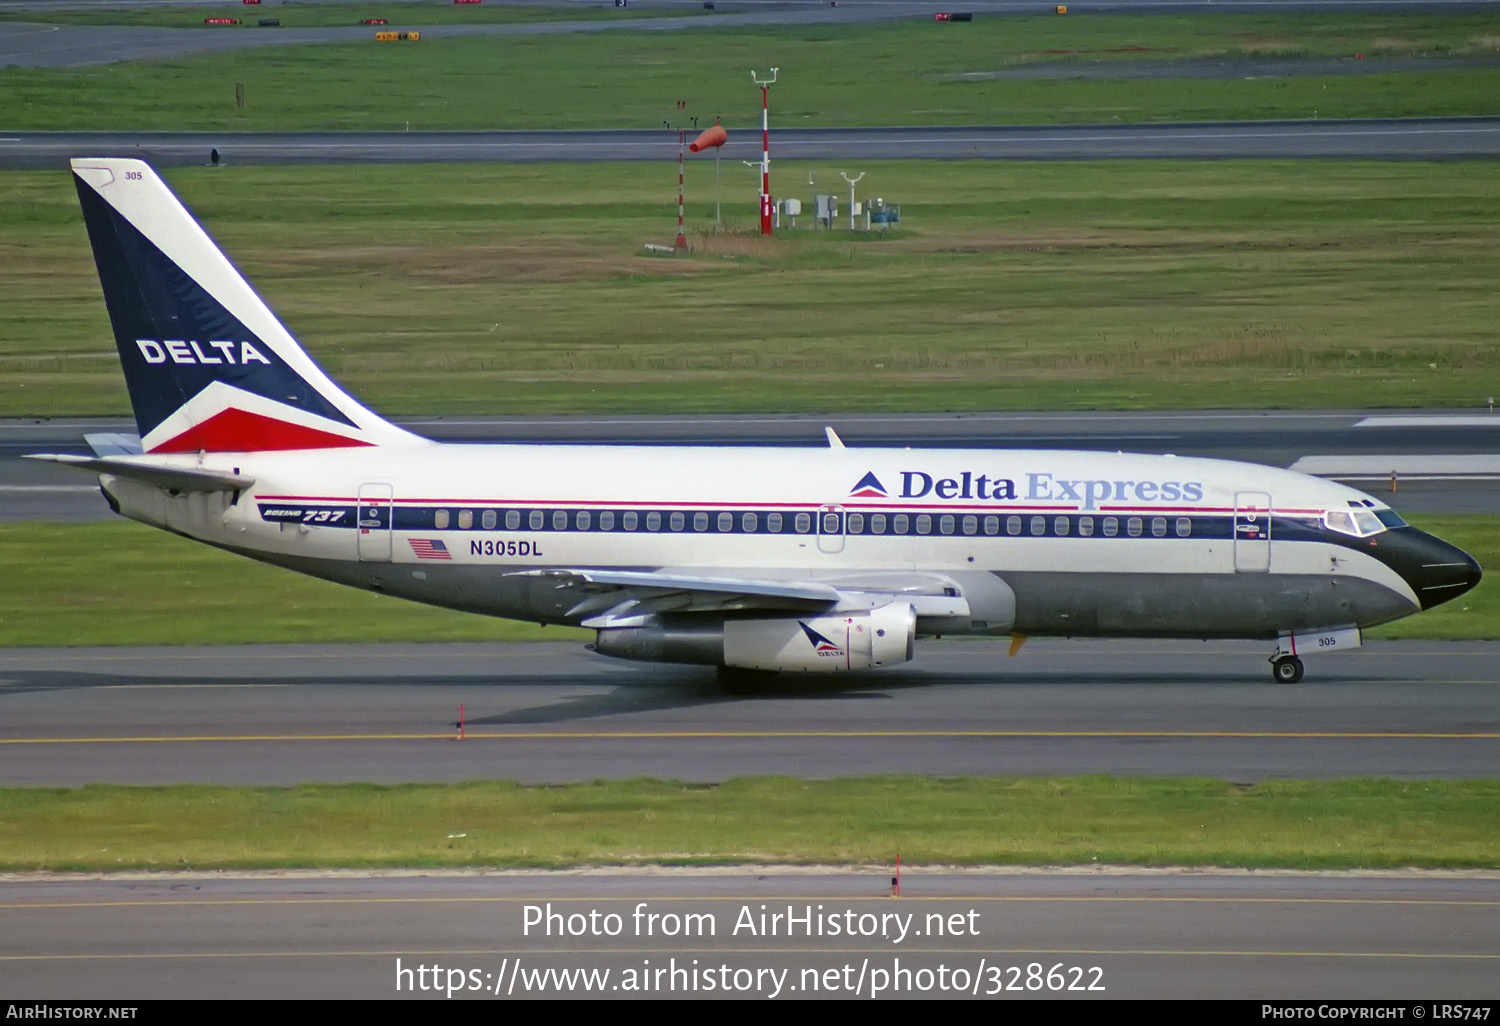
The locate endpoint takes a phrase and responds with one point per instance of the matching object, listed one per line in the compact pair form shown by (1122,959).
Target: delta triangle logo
(820,644)
(869,487)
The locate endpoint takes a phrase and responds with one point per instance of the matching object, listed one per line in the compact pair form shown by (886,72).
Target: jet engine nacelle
(857,640)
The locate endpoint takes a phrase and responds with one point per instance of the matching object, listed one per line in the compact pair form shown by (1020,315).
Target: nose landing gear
(1286,665)
(1286,669)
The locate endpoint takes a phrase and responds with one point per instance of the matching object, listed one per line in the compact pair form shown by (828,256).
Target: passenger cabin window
(726,523)
(677,521)
(945,525)
(1038,526)
(803,523)
(1158,527)
(856,523)
(585,518)
(877,523)
(902,523)
(1184,527)
(971,525)
(991,525)
(924,524)
(1133,527)
(465,519)
(1012,525)
(773,523)
(1111,527)
(750,522)
(1060,526)
(560,520)
(537,519)
(488,520)
(512,519)
(1086,526)
(631,520)
(653,521)
(830,523)
(440,520)
(607,521)
(700,521)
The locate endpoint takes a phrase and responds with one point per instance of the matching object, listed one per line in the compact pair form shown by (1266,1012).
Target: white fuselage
(1129,530)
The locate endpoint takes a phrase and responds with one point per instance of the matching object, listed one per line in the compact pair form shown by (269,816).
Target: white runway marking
(1412,467)
(1432,420)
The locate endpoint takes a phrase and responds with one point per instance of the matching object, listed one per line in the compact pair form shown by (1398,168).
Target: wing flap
(622,598)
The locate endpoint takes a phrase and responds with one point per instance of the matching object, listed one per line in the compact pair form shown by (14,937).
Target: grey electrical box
(827,208)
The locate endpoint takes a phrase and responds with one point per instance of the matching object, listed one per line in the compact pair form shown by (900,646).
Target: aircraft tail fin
(208,366)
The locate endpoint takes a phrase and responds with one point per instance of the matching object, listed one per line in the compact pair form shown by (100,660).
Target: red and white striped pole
(765,148)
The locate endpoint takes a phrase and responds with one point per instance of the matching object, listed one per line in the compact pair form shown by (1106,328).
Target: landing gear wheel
(737,681)
(1287,670)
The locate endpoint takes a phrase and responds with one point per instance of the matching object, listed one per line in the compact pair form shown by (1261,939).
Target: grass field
(125,584)
(524,288)
(966,821)
(914,72)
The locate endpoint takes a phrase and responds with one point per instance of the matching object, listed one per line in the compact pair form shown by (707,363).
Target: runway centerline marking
(696,735)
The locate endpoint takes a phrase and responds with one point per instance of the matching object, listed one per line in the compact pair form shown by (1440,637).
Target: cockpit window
(1360,523)
(1390,518)
(1367,522)
(1338,520)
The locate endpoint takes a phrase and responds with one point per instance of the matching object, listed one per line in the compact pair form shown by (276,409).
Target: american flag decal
(429,548)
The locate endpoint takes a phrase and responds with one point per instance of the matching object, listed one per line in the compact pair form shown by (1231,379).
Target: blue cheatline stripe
(555,520)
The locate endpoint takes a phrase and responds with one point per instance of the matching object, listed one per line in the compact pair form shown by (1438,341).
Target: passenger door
(374,515)
(1252,532)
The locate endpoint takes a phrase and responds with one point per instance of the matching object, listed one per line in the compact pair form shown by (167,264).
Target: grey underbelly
(1196,605)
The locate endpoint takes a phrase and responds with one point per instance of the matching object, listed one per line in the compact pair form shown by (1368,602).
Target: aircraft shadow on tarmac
(667,688)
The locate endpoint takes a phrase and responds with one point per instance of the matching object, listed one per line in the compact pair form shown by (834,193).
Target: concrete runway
(1255,936)
(1409,441)
(1374,139)
(281,715)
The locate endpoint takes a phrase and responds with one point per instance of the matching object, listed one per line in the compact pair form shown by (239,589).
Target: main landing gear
(1286,669)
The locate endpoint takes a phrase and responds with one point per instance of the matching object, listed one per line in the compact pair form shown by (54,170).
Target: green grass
(318,15)
(917,72)
(447,289)
(126,584)
(965,821)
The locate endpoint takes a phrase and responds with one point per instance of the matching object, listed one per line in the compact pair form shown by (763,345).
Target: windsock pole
(765,148)
(681,143)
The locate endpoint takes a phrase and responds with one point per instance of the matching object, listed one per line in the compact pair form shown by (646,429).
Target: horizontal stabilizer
(177,479)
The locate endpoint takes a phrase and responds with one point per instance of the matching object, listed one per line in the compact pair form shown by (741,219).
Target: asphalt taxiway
(27,44)
(1003,935)
(544,713)
(1369,139)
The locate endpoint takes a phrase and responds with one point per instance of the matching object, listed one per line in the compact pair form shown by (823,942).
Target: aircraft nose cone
(1436,570)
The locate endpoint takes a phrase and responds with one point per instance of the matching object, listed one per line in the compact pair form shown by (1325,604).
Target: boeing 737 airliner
(753,560)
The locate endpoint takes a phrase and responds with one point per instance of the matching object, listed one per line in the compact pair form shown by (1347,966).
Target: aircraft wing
(625,598)
(177,479)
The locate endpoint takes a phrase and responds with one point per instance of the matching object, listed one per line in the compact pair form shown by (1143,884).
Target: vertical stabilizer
(208,366)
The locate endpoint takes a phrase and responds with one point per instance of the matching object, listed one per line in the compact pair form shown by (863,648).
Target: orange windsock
(713,135)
